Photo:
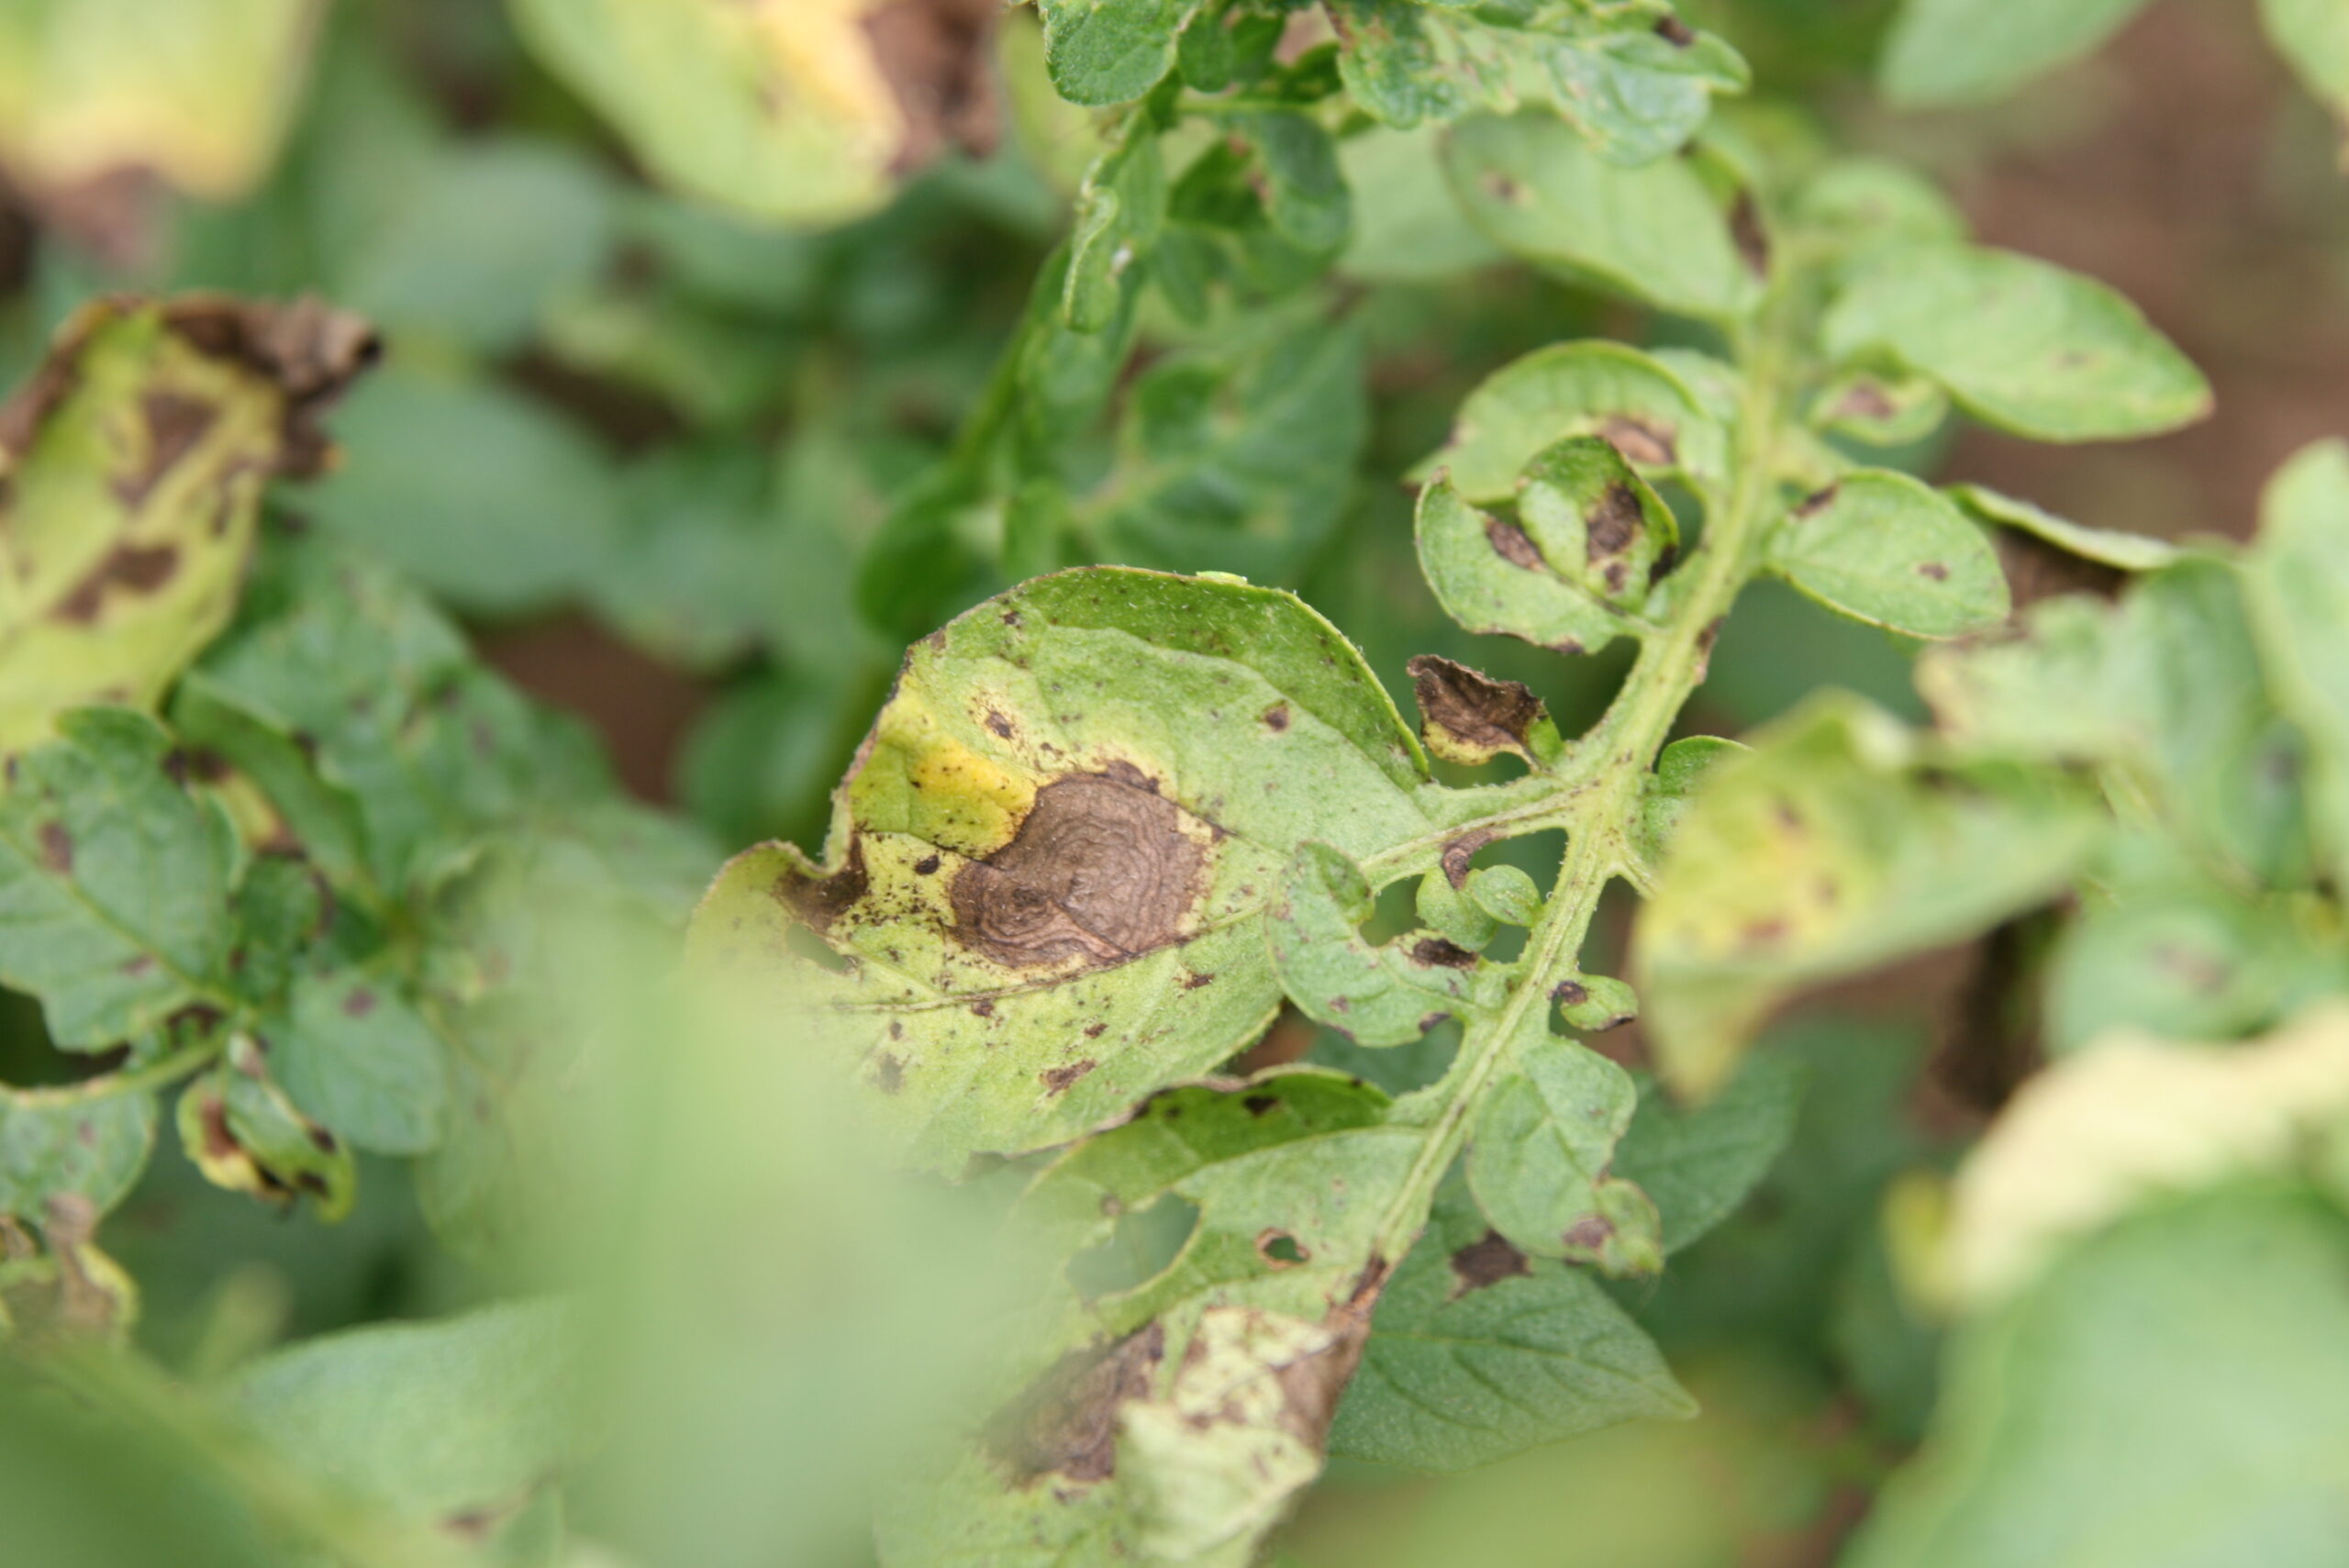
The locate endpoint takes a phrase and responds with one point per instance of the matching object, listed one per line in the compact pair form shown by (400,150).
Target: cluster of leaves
(277,846)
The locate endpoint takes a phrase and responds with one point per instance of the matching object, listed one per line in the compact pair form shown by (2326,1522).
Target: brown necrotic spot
(1818,501)
(1486,1261)
(1512,544)
(1057,1080)
(136,569)
(1640,441)
(1613,523)
(175,425)
(999,725)
(359,1003)
(1864,400)
(1487,715)
(888,1073)
(1257,1104)
(1066,1422)
(1570,993)
(56,848)
(1589,1233)
(1434,952)
(1934,570)
(1100,868)
(1676,32)
(1276,718)
(1460,856)
(820,901)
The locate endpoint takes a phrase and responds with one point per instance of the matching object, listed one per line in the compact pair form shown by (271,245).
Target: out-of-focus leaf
(1967,52)
(1698,1163)
(114,881)
(1654,233)
(1111,52)
(1824,851)
(2190,960)
(133,465)
(1638,91)
(1645,410)
(242,1132)
(2314,35)
(1414,231)
(2021,345)
(1882,547)
(2298,578)
(2168,1395)
(1478,1351)
(52,1145)
(199,92)
(1540,1153)
(2131,1121)
(2106,546)
(479,495)
(353,1055)
(1060,838)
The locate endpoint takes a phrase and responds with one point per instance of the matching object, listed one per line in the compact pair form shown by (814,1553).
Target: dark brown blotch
(1486,1261)
(57,848)
(136,569)
(1513,544)
(820,901)
(1486,714)
(1057,1080)
(1933,570)
(1435,952)
(175,425)
(1613,523)
(1640,441)
(1066,1422)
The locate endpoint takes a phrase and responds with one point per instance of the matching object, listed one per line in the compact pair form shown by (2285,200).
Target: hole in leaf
(1280,1248)
(1141,1246)
(1397,911)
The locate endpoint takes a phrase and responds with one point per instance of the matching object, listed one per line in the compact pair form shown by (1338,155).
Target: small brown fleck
(1817,500)
(1613,523)
(1193,981)
(1057,1080)
(984,1007)
(56,848)
(1746,231)
(1486,1261)
(1934,570)
(1570,993)
(1589,1233)
(1864,400)
(1000,724)
(888,1073)
(1276,718)
(1095,1031)
(359,1003)
(138,569)
(1676,32)
(926,866)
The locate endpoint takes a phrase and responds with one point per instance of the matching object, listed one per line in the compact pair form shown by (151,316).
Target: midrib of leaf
(1598,801)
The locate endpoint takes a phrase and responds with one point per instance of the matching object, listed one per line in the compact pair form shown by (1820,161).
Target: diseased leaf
(2298,576)
(1826,851)
(1478,1351)
(356,1058)
(1880,411)
(2183,960)
(242,1131)
(132,470)
(1679,770)
(54,1145)
(1698,1163)
(1489,576)
(2106,546)
(101,88)
(2021,345)
(1111,52)
(1596,522)
(1654,233)
(1060,841)
(1638,403)
(1388,994)
(2314,35)
(1305,196)
(114,881)
(1467,716)
(444,1422)
(1638,92)
(1539,1155)
(1884,549)
(2167,1395)
(1389,56)
(1971,52)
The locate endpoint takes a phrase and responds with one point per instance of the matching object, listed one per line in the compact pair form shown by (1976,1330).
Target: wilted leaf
(1478,1351)
(1045,880)
(1826,851)
(114,881)
(1884,549)
(1655,233)
(240,1129)
(2021,344)
(1964,51)
(132,470)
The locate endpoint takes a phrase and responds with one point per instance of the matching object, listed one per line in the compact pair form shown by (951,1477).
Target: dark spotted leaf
(245,1134)
(356,1058)
(1638,90)
(114,881)
(2021,345)
(1826,851)
(1884,549)
(2184,959)
(1596,520)
(1046,876)
(1969,51)
(1478,1351)
(1491,577)
(1655,233)
(131,470)
(1539,1153)
(1640,406)
(1388,994)
(1390,53)
(1467,716)
(54,1145)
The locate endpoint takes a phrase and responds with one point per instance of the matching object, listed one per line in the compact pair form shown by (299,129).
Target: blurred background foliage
(642,424)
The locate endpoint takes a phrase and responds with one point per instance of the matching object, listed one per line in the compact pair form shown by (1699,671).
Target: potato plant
(1179,1087)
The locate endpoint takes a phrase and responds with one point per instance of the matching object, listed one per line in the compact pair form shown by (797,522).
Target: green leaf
(1539,1153)
(52,1145)
(2106,546)
(1645,410)
(1972,52)
(1597,520)
(1060,841)
(1679,770)
(477,494)
(1490,577)
(1880,411)
(1637,94)
(1478,1351)
(777,109)
(1884,549)
(436,1422)
(2298,577)
(1388,994)
(2195,961)
(1119,209)
(1698,1163)
(2022,345)
(1111,52)
(355,1057)
(1825,851)
(130,480)
(1389,59)
(1415,231)
(114,881)
(1655,234)
(1855,204)
(1305,195)
(2313,36)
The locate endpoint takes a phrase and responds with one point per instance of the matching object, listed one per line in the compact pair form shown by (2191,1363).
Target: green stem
(184,1062)
(1599,799)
